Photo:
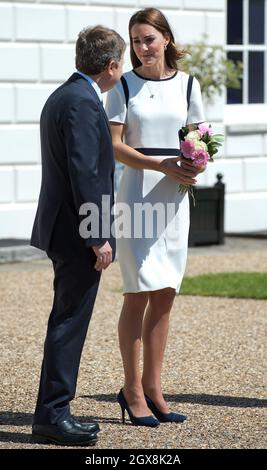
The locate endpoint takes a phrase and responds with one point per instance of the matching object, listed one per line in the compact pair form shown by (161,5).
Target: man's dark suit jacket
(77,167)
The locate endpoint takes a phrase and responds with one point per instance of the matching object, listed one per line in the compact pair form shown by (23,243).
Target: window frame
(245,48)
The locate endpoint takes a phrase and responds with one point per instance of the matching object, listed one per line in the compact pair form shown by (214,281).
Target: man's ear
(111,66)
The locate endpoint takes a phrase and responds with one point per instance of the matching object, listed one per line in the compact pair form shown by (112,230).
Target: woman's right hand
(181,175)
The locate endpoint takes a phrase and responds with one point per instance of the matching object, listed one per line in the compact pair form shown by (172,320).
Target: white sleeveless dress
(152,255)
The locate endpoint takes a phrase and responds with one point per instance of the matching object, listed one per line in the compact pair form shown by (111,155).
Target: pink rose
(204,128)
(200,158)
(187,148)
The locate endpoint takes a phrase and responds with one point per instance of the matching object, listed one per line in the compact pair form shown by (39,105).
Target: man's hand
(104,256)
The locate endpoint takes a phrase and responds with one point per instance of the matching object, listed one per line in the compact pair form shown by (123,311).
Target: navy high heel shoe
(142,421)
(164,417)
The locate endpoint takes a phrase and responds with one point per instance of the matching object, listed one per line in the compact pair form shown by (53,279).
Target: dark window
(256,77)
(235,21)
(256,21)
(235,95)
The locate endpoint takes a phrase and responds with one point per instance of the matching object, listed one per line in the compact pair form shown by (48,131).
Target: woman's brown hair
(155,18)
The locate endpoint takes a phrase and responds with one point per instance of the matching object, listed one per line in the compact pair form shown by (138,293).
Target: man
(77,168)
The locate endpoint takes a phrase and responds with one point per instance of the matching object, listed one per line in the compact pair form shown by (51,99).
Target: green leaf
(218,138)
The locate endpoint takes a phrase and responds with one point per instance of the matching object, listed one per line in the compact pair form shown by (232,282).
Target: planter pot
(207,216)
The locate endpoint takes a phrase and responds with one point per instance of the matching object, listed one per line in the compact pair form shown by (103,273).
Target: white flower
(200,145)
(192,135)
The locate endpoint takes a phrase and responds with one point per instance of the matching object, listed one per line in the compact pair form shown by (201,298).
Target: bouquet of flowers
(198,145)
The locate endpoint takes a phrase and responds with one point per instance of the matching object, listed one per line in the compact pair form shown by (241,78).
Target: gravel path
(214,366)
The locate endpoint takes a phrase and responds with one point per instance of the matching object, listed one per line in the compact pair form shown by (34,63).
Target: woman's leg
(130,332)
(155,332)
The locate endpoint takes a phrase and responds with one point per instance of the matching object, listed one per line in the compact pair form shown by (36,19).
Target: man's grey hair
(96,47)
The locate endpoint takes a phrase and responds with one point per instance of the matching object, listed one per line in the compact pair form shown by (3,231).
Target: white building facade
(37,49)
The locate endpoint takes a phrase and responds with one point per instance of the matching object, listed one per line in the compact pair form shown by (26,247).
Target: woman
(146,111)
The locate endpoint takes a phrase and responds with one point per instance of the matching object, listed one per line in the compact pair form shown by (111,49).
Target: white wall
(37,41)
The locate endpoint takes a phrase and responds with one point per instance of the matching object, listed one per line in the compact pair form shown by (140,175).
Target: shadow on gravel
(15,437)
(201,399)
(9,418)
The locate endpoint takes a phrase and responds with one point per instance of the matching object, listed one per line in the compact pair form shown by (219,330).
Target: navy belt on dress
(158,151)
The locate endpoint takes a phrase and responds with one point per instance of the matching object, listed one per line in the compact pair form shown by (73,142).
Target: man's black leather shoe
(66,433)
(87,427)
